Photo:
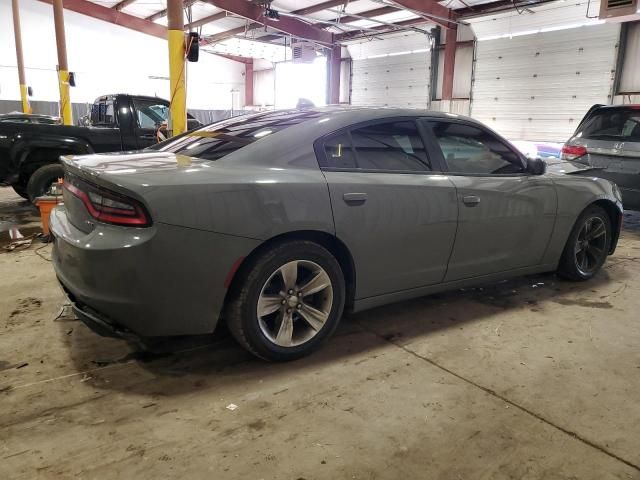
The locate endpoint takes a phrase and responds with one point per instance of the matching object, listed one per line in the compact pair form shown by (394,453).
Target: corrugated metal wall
(539,86)
(392,72)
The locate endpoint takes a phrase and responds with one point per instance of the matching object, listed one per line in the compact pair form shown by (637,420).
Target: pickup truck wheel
(21,190)
(42,179)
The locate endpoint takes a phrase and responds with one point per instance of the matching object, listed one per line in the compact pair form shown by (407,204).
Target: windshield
(219,139)
(620,124)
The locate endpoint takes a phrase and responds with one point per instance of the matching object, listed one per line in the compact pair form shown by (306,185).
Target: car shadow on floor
(191,364)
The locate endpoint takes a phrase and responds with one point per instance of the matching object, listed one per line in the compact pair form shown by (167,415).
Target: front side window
(471,150)
(150,114)
(616,124)
(389,147)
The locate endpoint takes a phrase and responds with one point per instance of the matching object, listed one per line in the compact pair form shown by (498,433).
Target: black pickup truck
(30,152)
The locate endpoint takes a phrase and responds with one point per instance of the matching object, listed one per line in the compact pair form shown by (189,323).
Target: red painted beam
(381,29)
(163,13)
(236,58)
(289,25)
(319,6)
(120,5)
(248,83)
(432,9)
(449,63)
(114,16)
(119,18)
(334,75)
(205,20)
(369,14)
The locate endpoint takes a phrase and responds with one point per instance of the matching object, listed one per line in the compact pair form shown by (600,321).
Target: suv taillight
(107,206)
(571,152)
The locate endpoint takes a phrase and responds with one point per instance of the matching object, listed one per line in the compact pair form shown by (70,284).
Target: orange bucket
(45,205)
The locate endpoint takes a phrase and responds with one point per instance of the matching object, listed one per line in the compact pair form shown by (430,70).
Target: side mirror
(536,166)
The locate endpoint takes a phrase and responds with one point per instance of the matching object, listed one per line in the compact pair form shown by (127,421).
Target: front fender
(575,193)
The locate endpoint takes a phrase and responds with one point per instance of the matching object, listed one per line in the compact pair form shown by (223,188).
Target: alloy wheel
(295,303)
(590,246)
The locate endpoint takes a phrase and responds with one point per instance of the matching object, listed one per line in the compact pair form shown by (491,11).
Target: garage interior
(529,378)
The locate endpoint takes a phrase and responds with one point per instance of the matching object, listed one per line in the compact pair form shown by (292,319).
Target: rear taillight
(107,206)
(571,152)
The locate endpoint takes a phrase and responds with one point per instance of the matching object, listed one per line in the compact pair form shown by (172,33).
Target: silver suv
(608,139)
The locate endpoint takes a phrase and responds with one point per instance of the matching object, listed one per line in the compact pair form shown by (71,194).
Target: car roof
(633,106)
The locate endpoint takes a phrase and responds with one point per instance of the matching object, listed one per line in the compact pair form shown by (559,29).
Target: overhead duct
(619,10)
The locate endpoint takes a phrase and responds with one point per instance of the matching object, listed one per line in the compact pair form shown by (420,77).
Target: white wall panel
(394,72)
(390,44)
(395,81)
(539,86)
(544,18)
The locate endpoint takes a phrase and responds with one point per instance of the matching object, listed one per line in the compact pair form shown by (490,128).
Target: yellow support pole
(63,69)
(178,91)
(26,108)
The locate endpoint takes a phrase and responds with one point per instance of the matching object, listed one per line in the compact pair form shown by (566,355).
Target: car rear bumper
(158,281)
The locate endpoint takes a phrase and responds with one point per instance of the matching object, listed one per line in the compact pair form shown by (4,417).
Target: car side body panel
(508,228)
(400,236)
(210,215)
(154,267)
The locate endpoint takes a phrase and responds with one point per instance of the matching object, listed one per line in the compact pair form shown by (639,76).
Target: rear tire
(587,246)
(41,180)
(21,190)
(287,302)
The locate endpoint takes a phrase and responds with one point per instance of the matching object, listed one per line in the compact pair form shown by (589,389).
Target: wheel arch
(615,215)
(333,244)
(38,156)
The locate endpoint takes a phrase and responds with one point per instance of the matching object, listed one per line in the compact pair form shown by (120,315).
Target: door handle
(355,198)
(471,200)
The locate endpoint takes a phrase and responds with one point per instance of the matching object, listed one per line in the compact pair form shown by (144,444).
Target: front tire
(587,246)
(42,179)
(289,301)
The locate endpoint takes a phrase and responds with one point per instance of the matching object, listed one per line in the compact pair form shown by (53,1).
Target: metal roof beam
(120,5)
(404,24)
(163,13)
(111,15)
(289,25)
(432,10)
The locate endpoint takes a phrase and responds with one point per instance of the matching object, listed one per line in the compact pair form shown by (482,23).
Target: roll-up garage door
(539,86)
(394,72)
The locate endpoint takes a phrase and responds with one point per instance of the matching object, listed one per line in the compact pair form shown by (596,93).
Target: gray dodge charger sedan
(277,222)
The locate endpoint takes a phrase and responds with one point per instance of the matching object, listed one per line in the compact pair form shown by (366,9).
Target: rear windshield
(612,124)
(219,139)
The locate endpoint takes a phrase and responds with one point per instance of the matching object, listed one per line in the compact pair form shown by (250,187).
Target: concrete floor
(535,378)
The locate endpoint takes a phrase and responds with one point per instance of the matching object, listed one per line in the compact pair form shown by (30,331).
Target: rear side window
(220,139)
(468,149)
(618,124)
(338,152)
(389,146)
(102,113)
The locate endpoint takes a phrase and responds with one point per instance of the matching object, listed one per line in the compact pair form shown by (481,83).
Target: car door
(506,216)
(392,207)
